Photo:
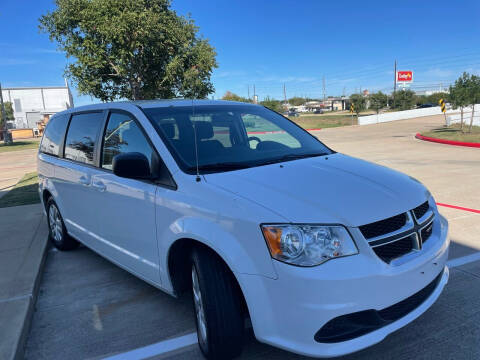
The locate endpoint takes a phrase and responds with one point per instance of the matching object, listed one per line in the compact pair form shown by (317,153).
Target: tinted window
(81,136)
(231,136)
(123,135)
(53,136)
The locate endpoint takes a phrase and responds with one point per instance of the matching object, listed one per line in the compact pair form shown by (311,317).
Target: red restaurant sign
(404,76)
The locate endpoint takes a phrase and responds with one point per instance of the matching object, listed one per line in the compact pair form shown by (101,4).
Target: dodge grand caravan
(324,253)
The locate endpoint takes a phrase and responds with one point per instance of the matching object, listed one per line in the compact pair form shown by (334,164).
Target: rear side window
(53,136)
(81,137)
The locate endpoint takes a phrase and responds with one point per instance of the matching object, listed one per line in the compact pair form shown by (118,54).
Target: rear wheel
(217,305)
(56,228)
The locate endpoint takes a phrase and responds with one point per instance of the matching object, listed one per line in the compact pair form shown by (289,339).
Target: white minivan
(324,253)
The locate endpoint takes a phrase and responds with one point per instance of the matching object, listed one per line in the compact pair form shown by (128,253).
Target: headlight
(308,245)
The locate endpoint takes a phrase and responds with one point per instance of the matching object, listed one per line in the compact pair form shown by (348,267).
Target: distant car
(318,111)
(293,113)
(427,105)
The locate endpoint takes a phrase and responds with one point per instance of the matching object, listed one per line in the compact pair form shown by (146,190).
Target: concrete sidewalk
(14,165)
(23,243)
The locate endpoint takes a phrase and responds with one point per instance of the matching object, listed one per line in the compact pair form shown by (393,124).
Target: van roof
(146,104)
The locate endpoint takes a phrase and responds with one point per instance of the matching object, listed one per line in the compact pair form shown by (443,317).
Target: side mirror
(132,165)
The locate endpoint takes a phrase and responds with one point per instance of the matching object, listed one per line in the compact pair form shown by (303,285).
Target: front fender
(242,247)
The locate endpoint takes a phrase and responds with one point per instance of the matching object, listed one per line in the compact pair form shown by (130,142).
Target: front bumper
(289,311)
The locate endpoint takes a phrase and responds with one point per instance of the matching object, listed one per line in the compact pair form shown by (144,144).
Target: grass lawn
(324,121)
(454,133)
(24,193)
(19,145)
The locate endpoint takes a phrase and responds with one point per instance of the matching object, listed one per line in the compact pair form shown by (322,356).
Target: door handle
(84,180)
(100,186)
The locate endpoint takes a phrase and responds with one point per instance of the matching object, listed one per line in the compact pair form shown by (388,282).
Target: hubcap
(199,310)
(55,223)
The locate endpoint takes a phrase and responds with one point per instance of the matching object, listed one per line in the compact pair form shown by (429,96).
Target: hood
(334,189)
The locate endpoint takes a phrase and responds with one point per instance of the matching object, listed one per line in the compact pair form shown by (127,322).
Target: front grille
(421,210)
(383,227)
(351,326)
(398,235)
(426,232)
(395,249)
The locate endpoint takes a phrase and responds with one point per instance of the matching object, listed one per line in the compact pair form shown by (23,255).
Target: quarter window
(53,135)
(121,136)
(81,136)
(258,127)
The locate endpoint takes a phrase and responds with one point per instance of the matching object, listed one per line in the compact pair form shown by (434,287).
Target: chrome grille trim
(408,226)
(413,228)
(424,218)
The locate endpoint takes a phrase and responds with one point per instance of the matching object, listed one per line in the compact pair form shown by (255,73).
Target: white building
(35,104)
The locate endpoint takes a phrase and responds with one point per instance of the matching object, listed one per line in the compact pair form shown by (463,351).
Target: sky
(348,45)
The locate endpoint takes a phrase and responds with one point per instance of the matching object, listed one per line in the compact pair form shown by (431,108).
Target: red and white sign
(405,76)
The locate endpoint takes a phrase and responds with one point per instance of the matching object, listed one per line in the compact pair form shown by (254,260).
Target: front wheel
(217,305)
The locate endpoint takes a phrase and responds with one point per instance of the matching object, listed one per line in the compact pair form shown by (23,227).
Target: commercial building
(33,106)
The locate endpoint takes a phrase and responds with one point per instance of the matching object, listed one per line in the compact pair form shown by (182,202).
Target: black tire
(57,232)
(222,306)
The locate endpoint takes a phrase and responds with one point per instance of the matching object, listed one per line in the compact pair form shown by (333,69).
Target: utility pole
(254,95)
(6,136)
(394,82)
(324,92)
(248,87)
(285,96)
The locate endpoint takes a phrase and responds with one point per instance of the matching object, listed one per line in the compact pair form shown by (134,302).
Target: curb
(24,305)
(447,142)
(20,350)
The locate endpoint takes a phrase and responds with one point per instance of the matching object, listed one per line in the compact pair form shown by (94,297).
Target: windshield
(231,137)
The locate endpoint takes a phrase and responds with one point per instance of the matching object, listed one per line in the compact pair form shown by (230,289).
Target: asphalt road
(89,308)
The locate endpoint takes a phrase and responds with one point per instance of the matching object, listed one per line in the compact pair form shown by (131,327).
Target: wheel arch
(179,266)
(46,194)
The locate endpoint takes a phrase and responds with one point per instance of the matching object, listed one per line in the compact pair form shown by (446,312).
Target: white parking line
(180,342)
(159,348)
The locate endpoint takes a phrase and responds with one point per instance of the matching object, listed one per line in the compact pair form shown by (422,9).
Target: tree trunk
(461,118)
(471,119)
(136,91)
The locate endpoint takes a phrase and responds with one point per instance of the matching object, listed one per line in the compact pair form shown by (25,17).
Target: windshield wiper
(290,157)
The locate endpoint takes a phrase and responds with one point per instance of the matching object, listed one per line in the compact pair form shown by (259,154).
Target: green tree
(359,103)
(459,95)
(405,99)
(234,97)
(297,101)
(272,104)
(473,95)
(8,113)
(435,97)
(378,101)
(133,49)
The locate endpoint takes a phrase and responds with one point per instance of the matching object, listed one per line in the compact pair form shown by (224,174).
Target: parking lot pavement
(13,165)
(89,308)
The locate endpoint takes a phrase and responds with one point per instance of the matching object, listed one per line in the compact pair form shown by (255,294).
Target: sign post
(351,111)
(441,102)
